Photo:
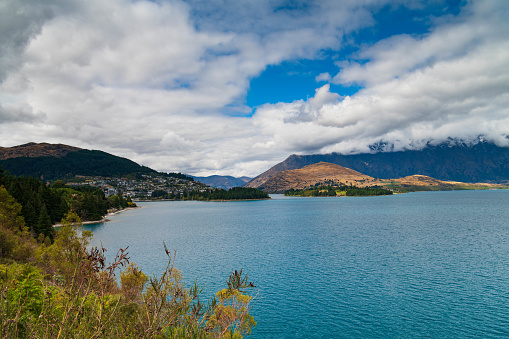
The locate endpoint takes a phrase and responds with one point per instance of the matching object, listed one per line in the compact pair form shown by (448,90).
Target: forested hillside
(42,205)
(82,162)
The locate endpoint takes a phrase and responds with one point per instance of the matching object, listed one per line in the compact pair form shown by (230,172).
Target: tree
(59,184)
(159,194)
(10,211)
(15,240)
(44,225)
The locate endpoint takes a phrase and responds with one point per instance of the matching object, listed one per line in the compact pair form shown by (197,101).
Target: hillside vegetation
(81,162)
(235,193)
(334,191)
(42,206)
(64,289)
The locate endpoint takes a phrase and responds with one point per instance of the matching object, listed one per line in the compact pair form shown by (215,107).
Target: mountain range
(481,162)
(327,174)
(223,181)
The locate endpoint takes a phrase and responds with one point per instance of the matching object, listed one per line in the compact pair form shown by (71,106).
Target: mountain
(321,173)
(33,150)
(57,161)
(414,183)
(482,162)
(316,176)
(223,181)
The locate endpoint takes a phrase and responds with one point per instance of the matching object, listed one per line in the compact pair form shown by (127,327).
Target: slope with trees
(42,205)
(82,162)
(66,290)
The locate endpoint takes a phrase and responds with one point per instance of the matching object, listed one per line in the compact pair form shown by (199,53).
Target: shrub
(73,293)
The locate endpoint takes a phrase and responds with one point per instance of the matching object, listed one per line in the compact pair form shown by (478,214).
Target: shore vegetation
(343,190)
(235,193)
(43,205)
(65,289)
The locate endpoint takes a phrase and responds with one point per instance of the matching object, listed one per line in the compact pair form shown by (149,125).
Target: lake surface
(433,264)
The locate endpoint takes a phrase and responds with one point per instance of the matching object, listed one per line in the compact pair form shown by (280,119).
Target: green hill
(80,162)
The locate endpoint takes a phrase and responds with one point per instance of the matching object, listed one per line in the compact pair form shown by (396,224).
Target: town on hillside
(141,187)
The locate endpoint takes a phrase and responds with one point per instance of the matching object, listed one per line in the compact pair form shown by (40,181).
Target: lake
(430,264)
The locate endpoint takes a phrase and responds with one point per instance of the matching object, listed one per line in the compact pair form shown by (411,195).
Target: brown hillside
(34,150)
(425,183)
(421,180)
(322,173)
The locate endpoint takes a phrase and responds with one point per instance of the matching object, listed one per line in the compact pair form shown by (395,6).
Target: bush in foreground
(67,291)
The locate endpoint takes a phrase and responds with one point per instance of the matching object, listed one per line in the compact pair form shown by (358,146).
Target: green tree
(59,184)
(10,211)
(15,240)
(44,225)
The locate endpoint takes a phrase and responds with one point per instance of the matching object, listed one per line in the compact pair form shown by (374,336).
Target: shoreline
(214,200)
(105,219)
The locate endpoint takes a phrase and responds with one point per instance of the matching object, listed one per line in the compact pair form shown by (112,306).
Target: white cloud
(152,81)
(453,82)
(323,77)
(19,113)
(479,25)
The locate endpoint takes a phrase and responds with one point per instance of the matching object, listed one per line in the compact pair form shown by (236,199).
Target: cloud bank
(164,83)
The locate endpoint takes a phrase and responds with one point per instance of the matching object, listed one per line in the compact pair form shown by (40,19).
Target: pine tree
(44,225)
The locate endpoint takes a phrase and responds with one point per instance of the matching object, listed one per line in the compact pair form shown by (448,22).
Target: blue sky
(296,79)
(233,87)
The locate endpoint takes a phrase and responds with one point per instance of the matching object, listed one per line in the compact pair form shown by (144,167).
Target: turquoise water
(432,264)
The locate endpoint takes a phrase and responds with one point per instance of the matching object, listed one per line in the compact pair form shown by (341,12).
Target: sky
(232,87)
